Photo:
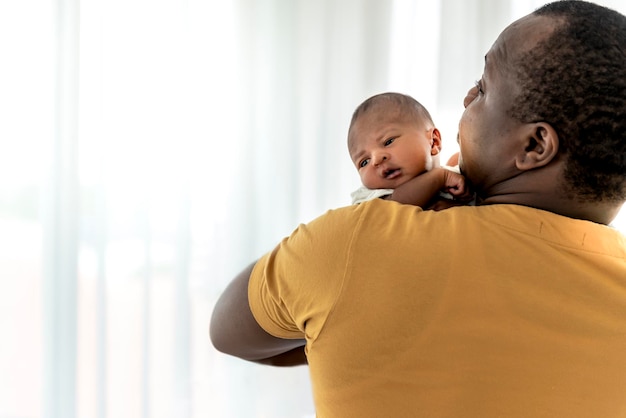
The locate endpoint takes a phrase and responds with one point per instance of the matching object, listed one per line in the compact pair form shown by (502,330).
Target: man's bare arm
(234,330)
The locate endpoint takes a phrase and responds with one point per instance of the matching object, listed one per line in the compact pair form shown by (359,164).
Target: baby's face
(388,150)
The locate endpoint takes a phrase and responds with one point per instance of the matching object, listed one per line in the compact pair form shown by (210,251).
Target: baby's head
(392,139)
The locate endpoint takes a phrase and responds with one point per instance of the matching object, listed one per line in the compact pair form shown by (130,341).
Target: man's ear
(541,146)
(435,141)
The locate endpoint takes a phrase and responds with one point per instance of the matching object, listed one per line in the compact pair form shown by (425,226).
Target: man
(512,308)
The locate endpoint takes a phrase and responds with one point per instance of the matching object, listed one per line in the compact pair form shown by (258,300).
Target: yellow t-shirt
(489,311)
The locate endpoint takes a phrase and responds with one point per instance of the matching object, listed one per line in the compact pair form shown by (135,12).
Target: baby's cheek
(367,180)
(373,181)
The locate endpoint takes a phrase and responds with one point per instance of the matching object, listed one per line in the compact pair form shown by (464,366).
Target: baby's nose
(379,158)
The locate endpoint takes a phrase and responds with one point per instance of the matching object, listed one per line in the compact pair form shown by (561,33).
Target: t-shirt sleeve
(293,288)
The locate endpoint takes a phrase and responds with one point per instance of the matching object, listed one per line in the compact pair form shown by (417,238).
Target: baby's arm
(422,189)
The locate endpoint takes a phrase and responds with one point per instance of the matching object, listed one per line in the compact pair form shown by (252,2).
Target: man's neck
(598,212)
(533,189)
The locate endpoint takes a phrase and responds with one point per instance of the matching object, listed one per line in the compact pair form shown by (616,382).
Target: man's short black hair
(575,80)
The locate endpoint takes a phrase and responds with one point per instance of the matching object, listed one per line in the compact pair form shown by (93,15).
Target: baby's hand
(454,183)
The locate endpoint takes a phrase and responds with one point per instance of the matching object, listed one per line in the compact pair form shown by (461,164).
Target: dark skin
(423,190)
(510,161)
(227,325)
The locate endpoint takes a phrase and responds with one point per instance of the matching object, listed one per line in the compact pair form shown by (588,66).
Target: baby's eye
(389,141)
(364,163)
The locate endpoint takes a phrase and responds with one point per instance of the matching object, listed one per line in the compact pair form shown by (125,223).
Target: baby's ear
(435,141)
(541,146)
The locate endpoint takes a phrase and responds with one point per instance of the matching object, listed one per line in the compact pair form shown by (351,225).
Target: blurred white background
(150,149)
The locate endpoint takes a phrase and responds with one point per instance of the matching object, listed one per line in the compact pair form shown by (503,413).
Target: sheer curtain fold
(60,225)
(175,143)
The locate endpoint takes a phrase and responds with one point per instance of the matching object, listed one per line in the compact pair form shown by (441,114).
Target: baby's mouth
(391,173)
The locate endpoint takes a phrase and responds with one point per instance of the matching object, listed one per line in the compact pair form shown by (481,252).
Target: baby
(395,147)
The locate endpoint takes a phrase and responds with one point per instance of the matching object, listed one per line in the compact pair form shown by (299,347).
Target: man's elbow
(226,339)
(215,337)
(220,337)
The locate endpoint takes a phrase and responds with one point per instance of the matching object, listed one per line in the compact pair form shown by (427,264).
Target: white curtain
(150,149)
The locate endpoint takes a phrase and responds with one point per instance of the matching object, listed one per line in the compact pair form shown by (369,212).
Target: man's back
(487,311)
